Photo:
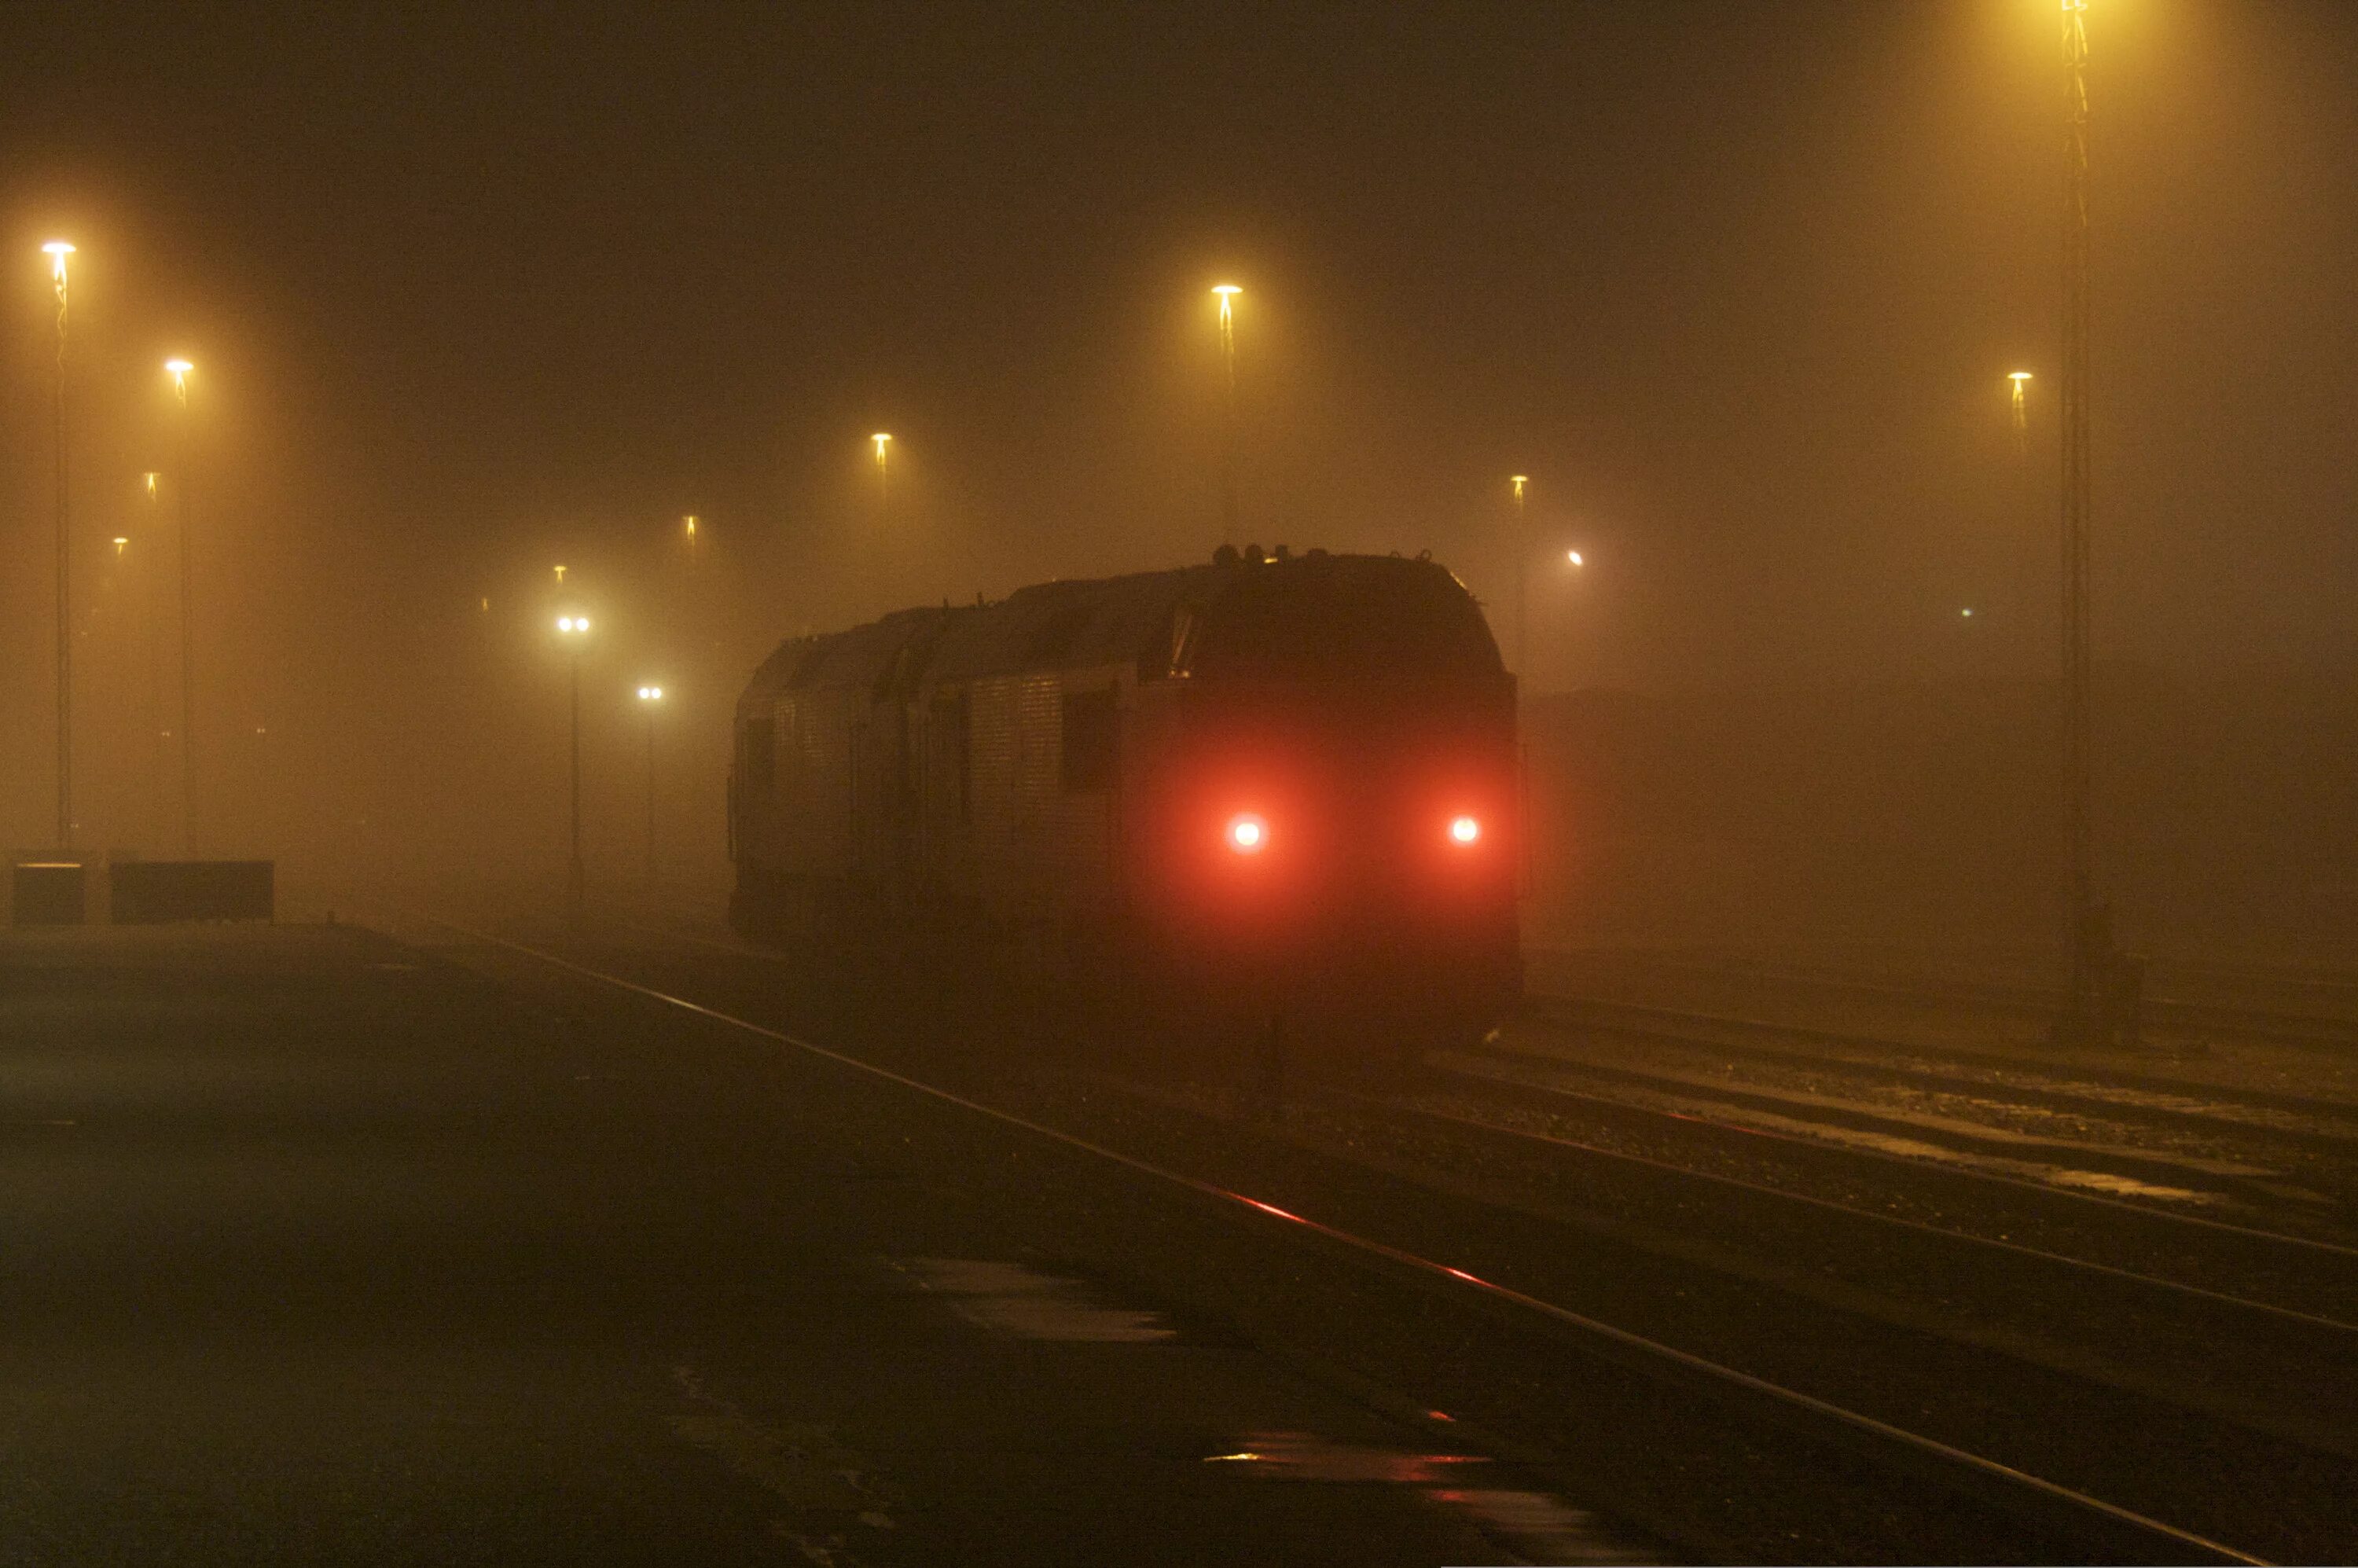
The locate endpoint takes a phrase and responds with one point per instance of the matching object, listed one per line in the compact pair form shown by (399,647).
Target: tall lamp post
(883,440)
(1522,587)
(150,606)
(178,371)
(2090,943)
(575,630)
(58,251)
(651,698)
(1229,435)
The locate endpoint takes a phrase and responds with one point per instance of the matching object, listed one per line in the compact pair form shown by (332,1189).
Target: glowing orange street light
(650,698)
(882,438)
(178,368)
(57,251)
(1574,558)
(121,543)
(1227,293)
(1523,582)
(575,628)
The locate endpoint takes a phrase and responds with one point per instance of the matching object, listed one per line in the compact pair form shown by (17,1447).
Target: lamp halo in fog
(573,625)
(1465,829)
(1575,557)
(650,694)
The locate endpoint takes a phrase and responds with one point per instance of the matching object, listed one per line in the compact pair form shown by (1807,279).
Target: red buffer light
(1248,833)
(1464,830)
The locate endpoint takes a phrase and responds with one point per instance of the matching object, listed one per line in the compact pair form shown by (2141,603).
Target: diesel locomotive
(1295,772)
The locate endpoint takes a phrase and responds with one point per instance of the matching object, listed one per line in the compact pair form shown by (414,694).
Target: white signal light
(1248,833)
(1465,830)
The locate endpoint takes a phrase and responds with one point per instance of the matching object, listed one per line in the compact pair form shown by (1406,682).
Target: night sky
(476,291)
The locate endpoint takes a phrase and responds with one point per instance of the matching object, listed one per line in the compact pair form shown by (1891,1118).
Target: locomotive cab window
(1092,723)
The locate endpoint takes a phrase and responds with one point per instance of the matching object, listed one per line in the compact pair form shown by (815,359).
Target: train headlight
(1248,833)
(1464,830)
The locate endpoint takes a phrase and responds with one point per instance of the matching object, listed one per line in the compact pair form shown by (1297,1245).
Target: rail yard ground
(512,1240)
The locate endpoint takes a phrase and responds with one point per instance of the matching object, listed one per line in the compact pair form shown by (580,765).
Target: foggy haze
(1736,285)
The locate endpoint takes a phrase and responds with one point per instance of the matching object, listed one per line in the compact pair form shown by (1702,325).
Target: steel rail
(1653,1019)
(1689,1172)
(1419,1265)
(1827,1146)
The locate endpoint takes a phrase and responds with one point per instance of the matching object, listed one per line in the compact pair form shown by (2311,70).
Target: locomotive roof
(1333,608)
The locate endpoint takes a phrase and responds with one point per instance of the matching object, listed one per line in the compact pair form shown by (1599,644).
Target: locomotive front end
(1340,818)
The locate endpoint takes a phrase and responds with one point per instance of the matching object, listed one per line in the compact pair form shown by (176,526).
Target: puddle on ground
(1010,1299)
(2122,1186)
(1535,1526)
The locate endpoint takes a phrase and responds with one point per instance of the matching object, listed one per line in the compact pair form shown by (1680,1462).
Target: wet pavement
(319,1246)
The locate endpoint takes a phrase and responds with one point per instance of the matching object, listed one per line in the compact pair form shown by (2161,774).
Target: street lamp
(178,368)
(1522,584)
(1226,293)
(883,440)
(2019,383)
(650,698)
(2085,1011)
(57,251)
(575,630)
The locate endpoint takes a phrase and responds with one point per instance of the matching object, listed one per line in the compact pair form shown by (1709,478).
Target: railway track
(2116,1528)
(2171,1013)
(2073,1085)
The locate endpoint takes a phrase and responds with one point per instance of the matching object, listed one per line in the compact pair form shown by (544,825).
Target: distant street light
(1226,293)
(121,542)
(651,698)
(575,630)
(150,608)
(178,368)
(883,441)
(688,535)
(57,251)
(1574,558)
(560,576)
(2019,381)
(1522,587)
